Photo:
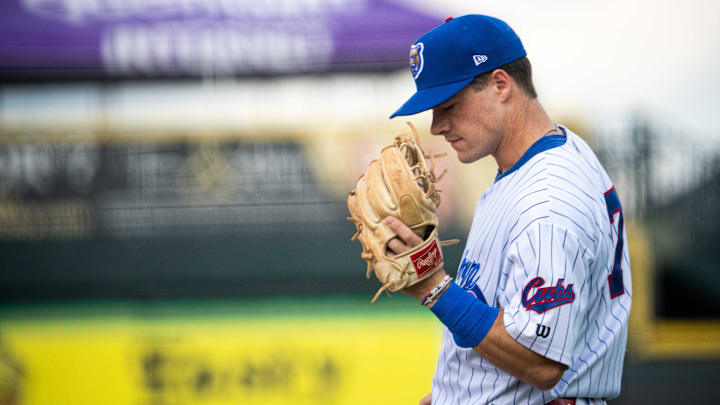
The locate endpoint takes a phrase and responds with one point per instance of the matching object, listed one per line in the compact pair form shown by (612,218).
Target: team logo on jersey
(466,278)
(466,273)
(537,298)
(416,59)
(426,259)
(475,291)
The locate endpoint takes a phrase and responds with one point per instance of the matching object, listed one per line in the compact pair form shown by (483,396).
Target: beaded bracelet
(430,297)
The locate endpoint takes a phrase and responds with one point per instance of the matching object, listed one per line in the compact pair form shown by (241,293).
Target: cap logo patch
(478,59)
(416,59)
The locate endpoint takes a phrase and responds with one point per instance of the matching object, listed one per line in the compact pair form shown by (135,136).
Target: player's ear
(501,83)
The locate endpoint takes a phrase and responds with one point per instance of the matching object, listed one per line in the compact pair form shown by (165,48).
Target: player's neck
(524,126)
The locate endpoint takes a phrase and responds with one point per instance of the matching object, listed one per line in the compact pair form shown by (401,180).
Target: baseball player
(538,311)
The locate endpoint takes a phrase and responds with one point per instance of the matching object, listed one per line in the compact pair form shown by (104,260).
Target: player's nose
(439,123)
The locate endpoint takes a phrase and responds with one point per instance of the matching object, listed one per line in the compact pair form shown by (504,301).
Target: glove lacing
(425,179)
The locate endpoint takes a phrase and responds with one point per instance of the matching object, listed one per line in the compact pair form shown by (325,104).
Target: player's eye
(448,108)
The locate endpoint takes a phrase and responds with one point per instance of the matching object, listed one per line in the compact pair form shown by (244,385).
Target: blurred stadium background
(173,176)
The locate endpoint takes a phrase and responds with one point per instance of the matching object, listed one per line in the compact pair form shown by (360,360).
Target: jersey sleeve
(547,267)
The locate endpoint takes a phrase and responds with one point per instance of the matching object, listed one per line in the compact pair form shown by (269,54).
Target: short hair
(520,70)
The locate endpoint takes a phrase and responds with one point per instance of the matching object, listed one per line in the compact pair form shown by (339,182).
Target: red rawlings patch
(426,259)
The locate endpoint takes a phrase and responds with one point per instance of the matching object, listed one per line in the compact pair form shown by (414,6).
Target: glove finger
(403,232)
(397,246)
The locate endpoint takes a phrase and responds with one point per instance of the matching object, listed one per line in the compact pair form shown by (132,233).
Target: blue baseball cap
(447,58)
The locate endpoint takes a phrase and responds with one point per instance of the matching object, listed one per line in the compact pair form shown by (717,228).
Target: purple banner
(155,38)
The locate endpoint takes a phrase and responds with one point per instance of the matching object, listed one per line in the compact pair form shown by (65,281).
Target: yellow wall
(331,360)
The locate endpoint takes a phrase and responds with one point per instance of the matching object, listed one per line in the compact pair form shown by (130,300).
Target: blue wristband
(468,318)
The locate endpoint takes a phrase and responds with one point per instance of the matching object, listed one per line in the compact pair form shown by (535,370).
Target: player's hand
(426,400)
(406,239)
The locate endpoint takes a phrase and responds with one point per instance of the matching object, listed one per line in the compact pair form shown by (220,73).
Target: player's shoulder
(563,186)
(556,161)
(574,154)
(576,183)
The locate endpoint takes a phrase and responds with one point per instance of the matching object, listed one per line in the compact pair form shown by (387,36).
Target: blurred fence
(166,220)
(670,183)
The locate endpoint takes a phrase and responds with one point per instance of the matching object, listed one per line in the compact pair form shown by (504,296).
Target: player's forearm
(499,348)
(476,325)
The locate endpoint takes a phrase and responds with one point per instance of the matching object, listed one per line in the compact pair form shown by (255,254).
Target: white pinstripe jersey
(544,246)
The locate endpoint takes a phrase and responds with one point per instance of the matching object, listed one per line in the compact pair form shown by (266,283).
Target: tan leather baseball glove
(399,184)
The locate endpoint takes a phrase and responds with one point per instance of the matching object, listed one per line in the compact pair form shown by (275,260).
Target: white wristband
(430,297)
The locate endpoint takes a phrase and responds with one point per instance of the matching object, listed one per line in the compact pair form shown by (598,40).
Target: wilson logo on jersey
(542,331)
(545,298)
(427,259)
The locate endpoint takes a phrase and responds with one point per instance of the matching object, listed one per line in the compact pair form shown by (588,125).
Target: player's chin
(466,157)
(469,155)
